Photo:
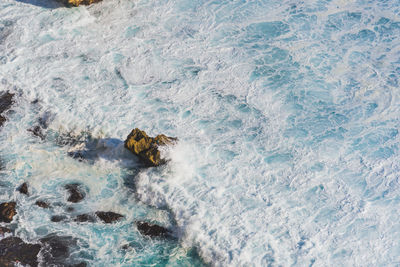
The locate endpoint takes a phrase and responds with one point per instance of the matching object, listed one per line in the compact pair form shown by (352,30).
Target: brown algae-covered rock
(7,211)
(146,148)
(79,2)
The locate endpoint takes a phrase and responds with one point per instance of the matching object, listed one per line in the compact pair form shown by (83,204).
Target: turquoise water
(286,114)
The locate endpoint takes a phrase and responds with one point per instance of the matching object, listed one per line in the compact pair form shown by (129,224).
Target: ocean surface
(287,114)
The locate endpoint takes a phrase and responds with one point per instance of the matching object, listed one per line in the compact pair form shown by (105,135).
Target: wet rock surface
(14,250)
(42,204)
(58,218)
(152,230)
(39,128)
(23,189)
(146,148)
(37,131)
(81,264)
(4,230)
(76,193)
(6,101)
(109,216)
(85,218)
(7,211)
(57,250)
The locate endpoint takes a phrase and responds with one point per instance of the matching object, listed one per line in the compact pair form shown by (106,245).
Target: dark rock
(57,249)
(6,101)
(84,218)
(81,264)
(13,250)
(58,218)
(70,209)
(42,204)
(77,155)
(109,216)
(146,148)
(4,230)
(152,230)
(23,189)
(37,131)
(7,211)
(75,193)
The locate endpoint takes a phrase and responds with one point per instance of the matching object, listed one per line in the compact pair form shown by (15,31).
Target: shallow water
(286,113)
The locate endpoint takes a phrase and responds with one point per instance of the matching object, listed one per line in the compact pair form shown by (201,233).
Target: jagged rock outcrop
(146,148)
(7,211)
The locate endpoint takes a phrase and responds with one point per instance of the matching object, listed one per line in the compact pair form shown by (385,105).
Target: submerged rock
(85,218)
(70,209)
(76,193)
(152,229)
(7,211)
(23,189)
(57,250)
(42,204)
(81,264)
(109,216)
(6,101)
(38,132)
(146,148)
(58,218)
(14,250)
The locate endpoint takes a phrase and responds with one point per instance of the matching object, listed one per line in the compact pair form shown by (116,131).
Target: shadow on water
(50,4)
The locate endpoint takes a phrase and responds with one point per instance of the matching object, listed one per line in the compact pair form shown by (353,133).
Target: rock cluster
(146,148)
